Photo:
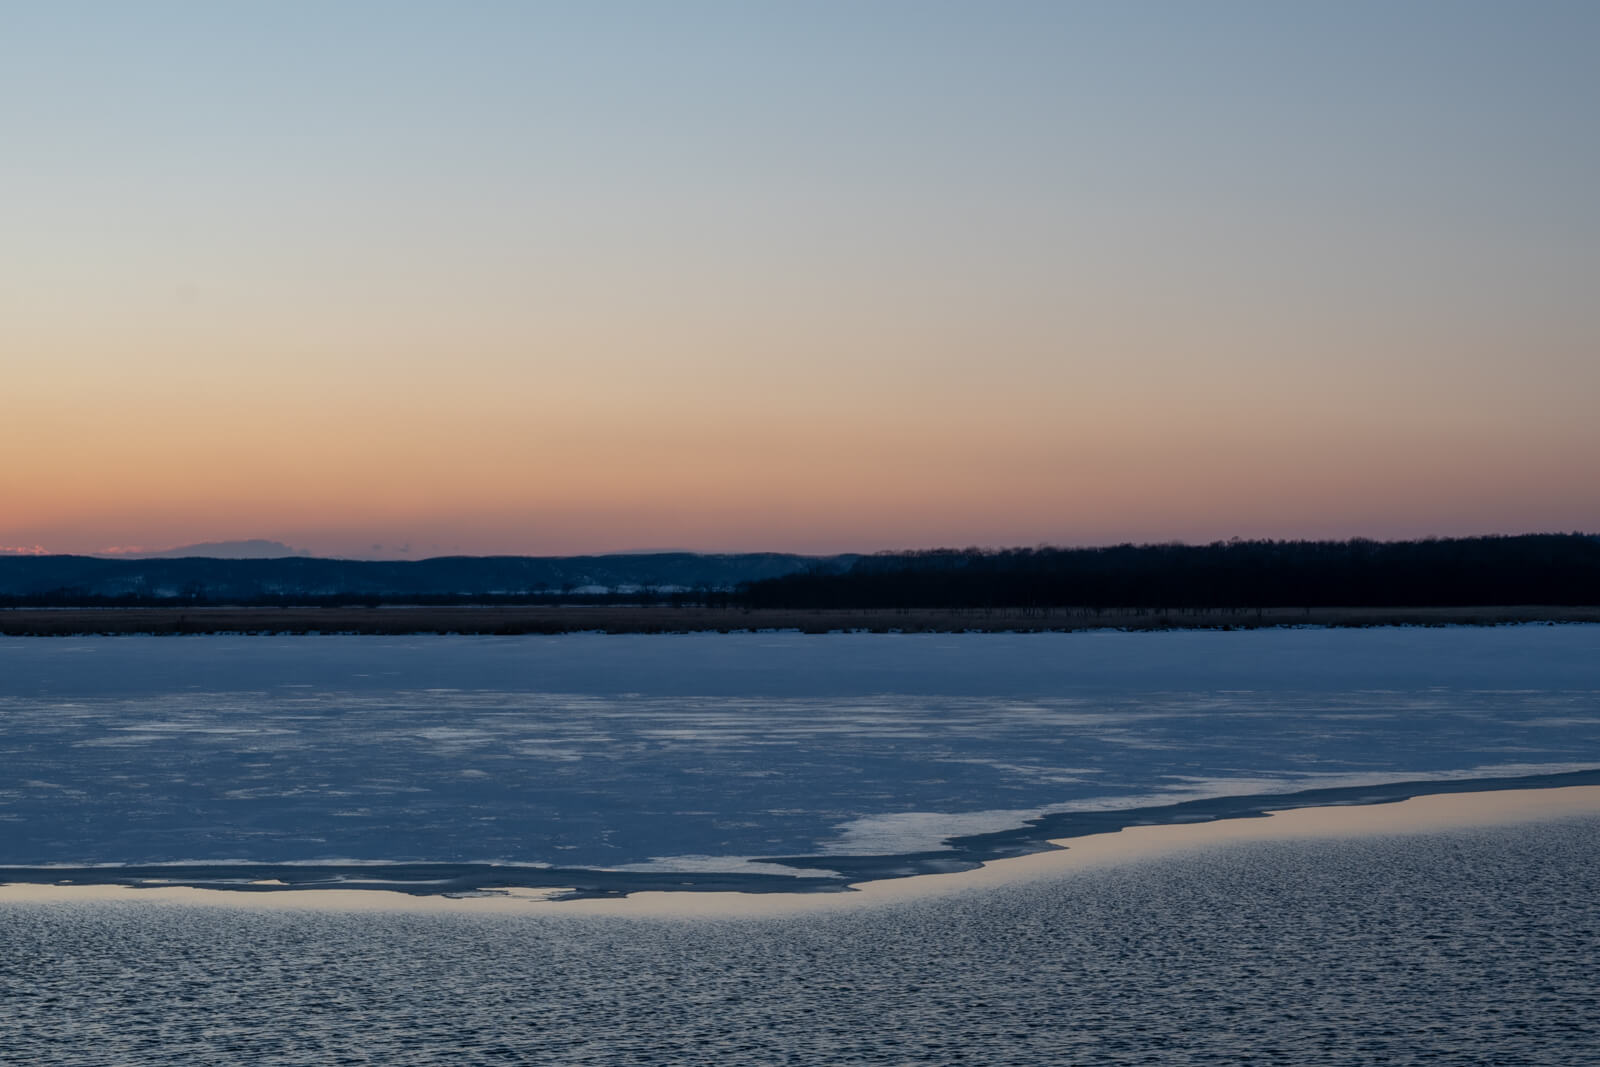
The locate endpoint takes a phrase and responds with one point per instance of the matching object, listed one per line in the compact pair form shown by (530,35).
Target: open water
(1461,948)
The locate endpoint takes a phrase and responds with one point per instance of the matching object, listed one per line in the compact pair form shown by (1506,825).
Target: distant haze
(253,549)
(404,280)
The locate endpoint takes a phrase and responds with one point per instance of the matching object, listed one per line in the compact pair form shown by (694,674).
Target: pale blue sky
(824,275)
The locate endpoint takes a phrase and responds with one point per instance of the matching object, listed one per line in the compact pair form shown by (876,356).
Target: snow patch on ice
(722,865)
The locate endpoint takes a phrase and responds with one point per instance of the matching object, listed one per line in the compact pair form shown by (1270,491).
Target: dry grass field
(547,619)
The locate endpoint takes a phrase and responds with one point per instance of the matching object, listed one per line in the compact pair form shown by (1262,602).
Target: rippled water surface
(1461,948)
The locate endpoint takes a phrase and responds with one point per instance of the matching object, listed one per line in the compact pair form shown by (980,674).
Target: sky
(407,279)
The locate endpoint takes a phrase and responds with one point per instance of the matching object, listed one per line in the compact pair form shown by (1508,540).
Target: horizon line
(160,555)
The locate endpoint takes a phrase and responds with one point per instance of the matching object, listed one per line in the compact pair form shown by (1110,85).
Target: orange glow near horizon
(971,280)
(498,472)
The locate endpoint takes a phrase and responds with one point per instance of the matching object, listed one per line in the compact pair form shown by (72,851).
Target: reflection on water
(1466,947)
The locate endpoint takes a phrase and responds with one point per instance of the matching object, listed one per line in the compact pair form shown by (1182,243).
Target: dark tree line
(1549,569)
(1542,569)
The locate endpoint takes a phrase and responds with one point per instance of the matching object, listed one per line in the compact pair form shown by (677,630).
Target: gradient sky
(554,278)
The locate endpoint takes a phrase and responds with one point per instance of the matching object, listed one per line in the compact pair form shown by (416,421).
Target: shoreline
(810,874)
(501,619)
(1417,813)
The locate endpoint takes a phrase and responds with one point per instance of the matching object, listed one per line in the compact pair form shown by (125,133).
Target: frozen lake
(779,755)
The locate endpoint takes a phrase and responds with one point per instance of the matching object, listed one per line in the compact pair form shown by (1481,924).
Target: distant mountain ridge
(75,579)
(255,548)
